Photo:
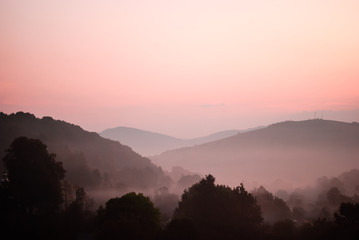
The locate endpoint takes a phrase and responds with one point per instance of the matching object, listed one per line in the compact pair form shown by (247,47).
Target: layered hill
(286,154)
(151,143)
(89,159)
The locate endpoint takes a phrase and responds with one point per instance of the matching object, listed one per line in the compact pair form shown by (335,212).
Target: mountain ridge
(90,160)
(294,150)
(150,143)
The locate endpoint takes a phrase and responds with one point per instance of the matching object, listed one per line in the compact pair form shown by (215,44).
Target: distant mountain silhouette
(150,143)
(89,159)
(287,152)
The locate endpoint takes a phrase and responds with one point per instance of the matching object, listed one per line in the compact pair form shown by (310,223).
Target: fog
(282,180)
(282,156)
(184,79)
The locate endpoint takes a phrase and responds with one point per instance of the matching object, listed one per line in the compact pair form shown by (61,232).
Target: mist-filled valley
(289,176)
(179,120)
(283,155)
(102,166)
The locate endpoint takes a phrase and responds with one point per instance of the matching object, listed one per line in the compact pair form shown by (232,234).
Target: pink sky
(184,68)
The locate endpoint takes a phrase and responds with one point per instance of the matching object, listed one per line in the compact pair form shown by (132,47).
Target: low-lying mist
(317,199)
(286,155)
(296,170)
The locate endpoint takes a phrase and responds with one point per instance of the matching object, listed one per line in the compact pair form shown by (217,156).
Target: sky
(182,68)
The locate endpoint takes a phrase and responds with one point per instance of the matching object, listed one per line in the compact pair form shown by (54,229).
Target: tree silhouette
(335,197)
(76,216)
(34,191)
(348,212)
(180,229)
(347,219)
(166,202)
(219,212)
(132,216)
(35,177)
(273,209)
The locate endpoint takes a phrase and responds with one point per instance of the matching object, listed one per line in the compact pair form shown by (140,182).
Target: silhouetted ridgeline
(150,143)
(144,142)
(89,160)
(287,153)
(36,203)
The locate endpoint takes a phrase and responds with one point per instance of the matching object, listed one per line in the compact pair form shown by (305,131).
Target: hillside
(89,159)
(144,142)
(150,143)
(281,155)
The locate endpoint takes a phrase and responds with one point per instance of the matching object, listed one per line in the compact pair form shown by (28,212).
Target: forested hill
(89,159)
(287,152)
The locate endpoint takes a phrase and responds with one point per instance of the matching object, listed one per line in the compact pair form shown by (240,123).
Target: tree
(348,213)
(273,209)
(166,202)
(132,216)
(180,229)
(34,175)
(77,218)
(347,219)
(219,212)
(335,197)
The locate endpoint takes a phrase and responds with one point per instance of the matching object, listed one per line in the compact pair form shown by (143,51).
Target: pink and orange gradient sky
(184,68)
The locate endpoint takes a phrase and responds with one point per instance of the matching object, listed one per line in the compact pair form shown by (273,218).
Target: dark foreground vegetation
(37,203)
(90,161)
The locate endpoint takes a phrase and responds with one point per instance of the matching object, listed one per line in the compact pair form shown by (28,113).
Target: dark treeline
(91,161)
(36,202)
(104,167)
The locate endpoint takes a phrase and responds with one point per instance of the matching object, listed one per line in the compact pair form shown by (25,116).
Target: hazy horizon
(186,69)
(192,130)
